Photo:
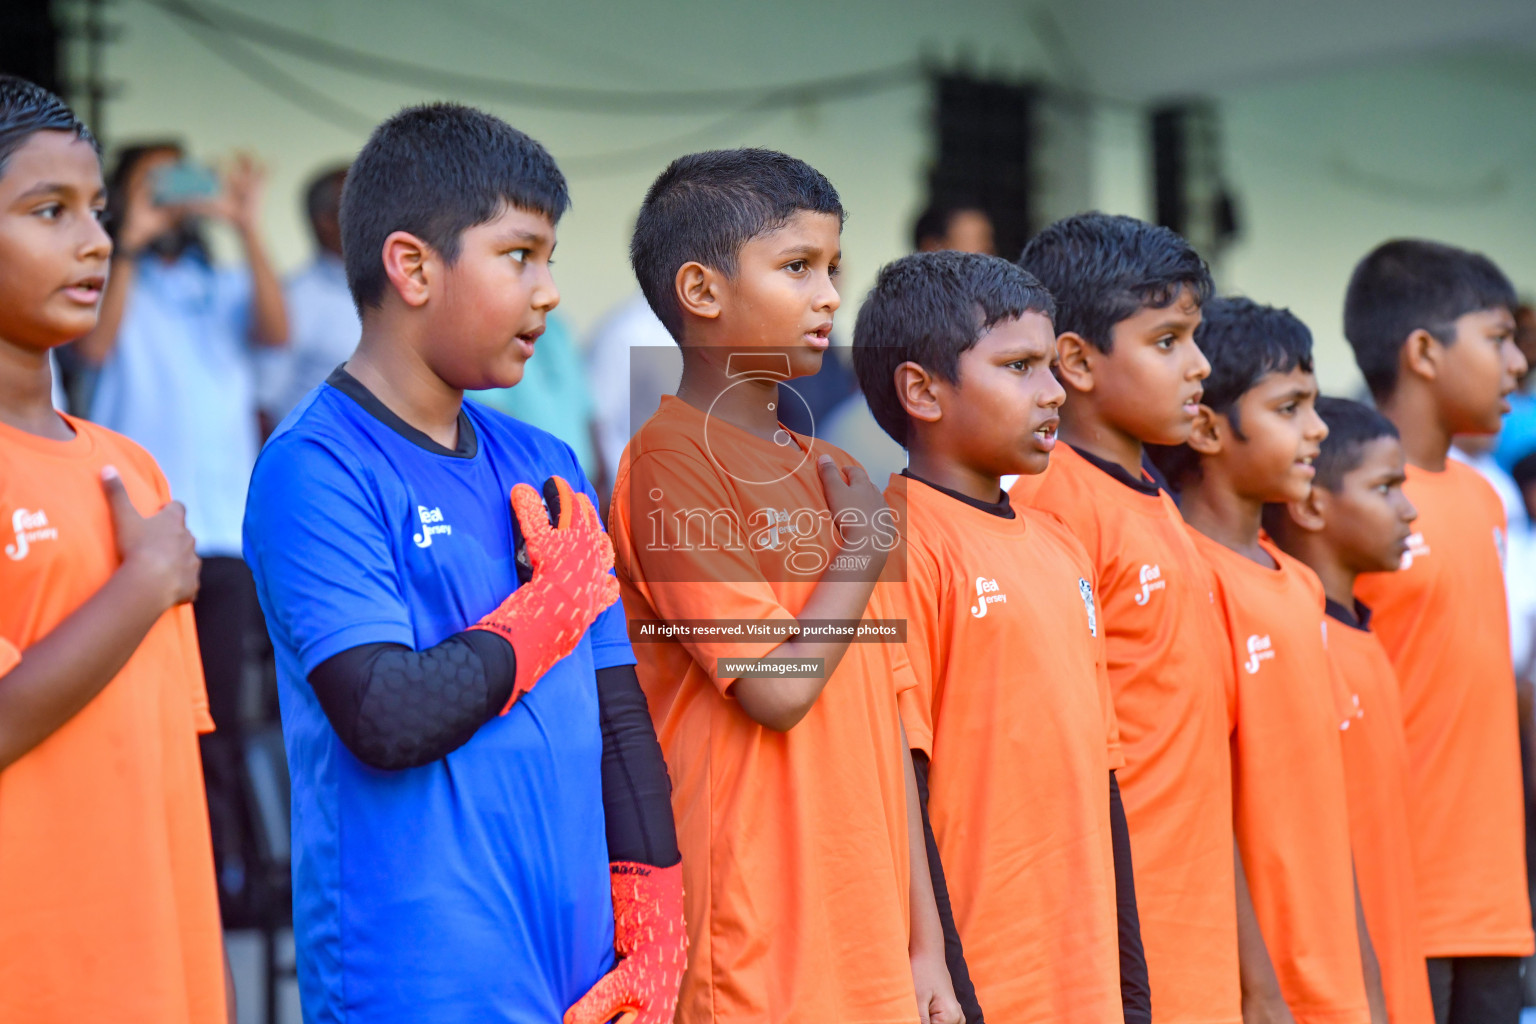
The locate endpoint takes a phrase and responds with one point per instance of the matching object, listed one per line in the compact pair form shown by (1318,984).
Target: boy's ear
(1311,513)
(698,290)
(1208,436)
(1421,355)
(1075,357)
(916,390)
(411,265)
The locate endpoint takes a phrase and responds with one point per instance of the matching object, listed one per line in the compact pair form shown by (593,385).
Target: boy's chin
(505,374)
(1384,563)
(1029,464)
(1171,436)
(805,362)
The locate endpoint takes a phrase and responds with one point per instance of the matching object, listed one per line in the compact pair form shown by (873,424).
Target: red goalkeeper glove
(545,618)
(652,943)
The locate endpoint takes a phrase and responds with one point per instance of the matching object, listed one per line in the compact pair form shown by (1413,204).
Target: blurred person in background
(175,344)
(1477,451)
(625,382)
(554,395)
(323,326)
(960,227)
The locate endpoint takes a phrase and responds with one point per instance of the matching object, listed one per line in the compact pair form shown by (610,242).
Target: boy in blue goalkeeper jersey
(480,808)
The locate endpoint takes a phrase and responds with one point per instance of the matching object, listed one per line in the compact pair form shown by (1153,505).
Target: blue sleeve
(610,633)
(317,540)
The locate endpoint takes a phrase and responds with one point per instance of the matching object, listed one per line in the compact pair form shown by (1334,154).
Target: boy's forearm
(1263,1002)
(269,312)
(927,937)
(781,703)
(61,673)
(1375,996)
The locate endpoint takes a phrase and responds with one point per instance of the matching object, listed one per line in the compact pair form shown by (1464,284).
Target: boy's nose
(829,299)
(1200,367)
(96,243)
(546,294)
(1317,430)
(1054,396)
(1515,360)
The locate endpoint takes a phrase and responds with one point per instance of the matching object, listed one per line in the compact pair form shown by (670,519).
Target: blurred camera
(185,181)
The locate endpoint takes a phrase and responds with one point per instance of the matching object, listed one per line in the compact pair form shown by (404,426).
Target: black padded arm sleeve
(397,708)
(954,953)
(1135,989)
(637,792)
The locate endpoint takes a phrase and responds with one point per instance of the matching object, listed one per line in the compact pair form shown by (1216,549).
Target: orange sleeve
(885,603)
(681,559)
(192,657)
(10,656)
(918,605)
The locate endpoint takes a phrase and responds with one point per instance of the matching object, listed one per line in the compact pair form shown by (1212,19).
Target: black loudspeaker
(1191,193)
(984,132)
(29,42)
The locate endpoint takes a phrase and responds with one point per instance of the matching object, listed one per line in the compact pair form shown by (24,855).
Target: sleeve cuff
(318,651)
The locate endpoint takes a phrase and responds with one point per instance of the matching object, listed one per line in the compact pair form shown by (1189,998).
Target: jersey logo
(432,525)
(987,592)
(778,525)
(1417,548)
(1151,581)
(1260,650)
(30,528)
(1086,590)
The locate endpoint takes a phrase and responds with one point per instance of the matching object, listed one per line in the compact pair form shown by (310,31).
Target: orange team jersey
(1012,707)
(1445,625)
(794,844)
(1169,663)
(1376,781)
(1288,790)
(107,903)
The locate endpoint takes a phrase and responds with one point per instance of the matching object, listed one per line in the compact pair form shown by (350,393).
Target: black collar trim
(1002,507)
(1357,618)
(469,443)
(1140,484)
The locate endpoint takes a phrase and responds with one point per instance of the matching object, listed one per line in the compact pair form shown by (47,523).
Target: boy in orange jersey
(1356,519)
(1306,953)
(1432,328)
(107,903)
(1128,299)
(807,888)
(1011,720)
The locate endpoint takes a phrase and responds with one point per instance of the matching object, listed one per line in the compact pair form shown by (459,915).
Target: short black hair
(705,206)
(1103,269)
(323,194)
(1351,426)
(1244,342)
(929,308)
(935,219)
(437,170)
(1523,472)
(26,109)
(1410,284)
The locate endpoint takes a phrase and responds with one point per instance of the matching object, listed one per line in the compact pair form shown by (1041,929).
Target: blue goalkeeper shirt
(474,888)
